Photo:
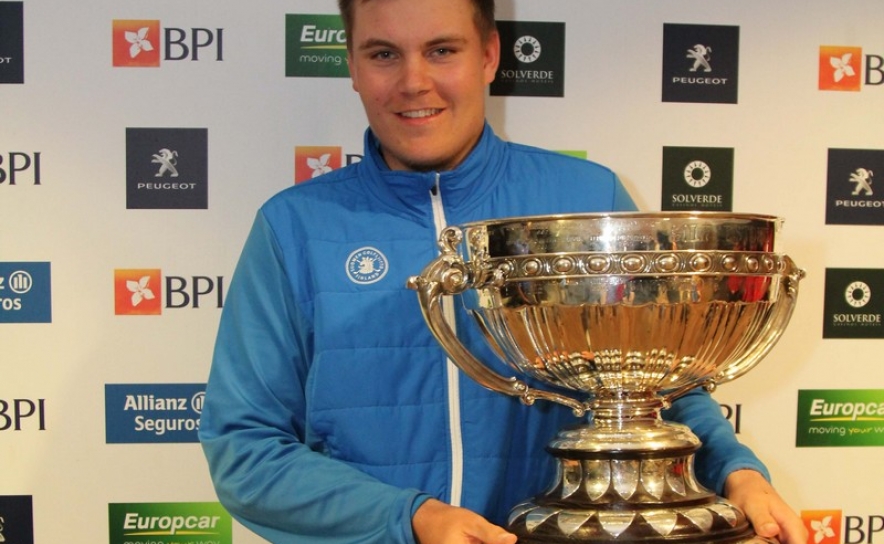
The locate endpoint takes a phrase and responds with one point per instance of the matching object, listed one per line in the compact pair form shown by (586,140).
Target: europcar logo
(142,43)
(169,523)
(144,291)
(153,413)
(840,418)
(315,46)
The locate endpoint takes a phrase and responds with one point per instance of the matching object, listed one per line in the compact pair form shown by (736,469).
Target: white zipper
(451,370)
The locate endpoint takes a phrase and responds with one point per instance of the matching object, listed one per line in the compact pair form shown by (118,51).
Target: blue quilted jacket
(331,412)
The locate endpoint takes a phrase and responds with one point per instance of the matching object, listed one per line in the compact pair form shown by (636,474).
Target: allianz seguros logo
(153,413)
(852,195)
(142,43)
(12,44)
(854,303)
(169,523)
(532,59)
(25,292)
(697,178)
(700,63)
(167,168)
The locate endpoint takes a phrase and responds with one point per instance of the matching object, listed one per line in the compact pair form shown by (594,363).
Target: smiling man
(332,414)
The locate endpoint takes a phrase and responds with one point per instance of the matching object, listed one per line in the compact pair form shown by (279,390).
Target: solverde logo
(169,523)
(840,418)
(315,46)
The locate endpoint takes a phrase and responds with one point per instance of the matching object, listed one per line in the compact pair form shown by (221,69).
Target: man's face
(421,69)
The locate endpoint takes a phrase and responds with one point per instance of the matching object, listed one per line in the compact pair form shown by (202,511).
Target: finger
(762,521)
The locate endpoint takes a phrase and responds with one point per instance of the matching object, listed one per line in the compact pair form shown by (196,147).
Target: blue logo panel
(152,413)
(25,293)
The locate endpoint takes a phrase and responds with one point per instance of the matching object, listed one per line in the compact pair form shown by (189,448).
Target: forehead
(412,20)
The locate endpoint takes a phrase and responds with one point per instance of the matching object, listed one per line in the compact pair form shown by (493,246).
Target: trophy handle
(448,275)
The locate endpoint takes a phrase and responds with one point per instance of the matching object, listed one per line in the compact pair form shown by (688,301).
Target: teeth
(419,113)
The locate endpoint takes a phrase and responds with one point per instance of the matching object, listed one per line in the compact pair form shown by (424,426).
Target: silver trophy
(620,313)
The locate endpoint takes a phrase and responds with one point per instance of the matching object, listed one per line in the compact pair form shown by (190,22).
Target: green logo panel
(315,46)
(840,418)
(169,523)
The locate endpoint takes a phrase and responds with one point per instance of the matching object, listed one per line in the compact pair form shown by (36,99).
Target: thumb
(488,533)
(764,524)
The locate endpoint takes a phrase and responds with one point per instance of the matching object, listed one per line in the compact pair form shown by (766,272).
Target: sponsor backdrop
(137,142)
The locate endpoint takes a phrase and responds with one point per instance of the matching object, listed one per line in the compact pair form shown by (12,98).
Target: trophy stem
(627,476)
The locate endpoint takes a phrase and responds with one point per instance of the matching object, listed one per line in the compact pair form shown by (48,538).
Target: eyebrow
(373,43)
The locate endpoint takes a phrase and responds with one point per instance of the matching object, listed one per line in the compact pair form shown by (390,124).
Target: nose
(416,77)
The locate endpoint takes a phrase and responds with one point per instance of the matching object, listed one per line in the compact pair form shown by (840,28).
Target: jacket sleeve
(721,452)
(622,200)
(253,423)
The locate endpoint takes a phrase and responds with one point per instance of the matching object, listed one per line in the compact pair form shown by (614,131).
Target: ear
(492,56)
(351,67)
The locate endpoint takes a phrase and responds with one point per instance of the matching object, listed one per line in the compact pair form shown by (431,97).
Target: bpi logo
(833,527)
(17,167)
(823,526)
(841,68)
(22,415)
(314,161)
(140,291)
(734,414)
(143,43)
(700,63)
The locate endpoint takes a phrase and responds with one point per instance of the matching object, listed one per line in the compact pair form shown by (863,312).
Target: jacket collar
(462,189)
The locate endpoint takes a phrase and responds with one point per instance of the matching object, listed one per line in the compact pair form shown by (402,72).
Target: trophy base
(636,495)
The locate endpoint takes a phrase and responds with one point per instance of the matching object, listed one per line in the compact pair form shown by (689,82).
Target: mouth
(420,114)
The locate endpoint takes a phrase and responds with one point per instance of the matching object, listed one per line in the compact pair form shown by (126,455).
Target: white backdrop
(74,108)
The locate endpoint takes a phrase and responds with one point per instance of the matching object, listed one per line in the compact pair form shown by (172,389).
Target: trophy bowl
(620,314)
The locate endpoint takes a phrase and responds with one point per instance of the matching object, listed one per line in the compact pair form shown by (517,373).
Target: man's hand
(438,523)
(770,516)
